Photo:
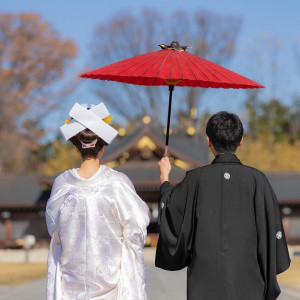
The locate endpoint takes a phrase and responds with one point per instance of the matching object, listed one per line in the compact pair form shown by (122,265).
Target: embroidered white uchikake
(89,145)
(91,119)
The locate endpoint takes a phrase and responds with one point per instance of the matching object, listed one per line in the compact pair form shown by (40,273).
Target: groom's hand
(164,168)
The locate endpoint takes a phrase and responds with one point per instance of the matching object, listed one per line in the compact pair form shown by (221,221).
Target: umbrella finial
(175,46)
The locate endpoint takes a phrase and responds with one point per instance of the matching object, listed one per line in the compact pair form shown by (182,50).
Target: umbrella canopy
(172,66)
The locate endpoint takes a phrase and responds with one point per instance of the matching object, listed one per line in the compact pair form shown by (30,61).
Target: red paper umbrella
(172,66)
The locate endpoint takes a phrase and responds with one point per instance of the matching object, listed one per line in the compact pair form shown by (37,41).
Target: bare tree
(32,58)
(294,119)
(295,107)
(211,36)
(264,58)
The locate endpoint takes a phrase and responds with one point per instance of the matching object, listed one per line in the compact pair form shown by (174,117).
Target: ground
(19,273)
(161,285)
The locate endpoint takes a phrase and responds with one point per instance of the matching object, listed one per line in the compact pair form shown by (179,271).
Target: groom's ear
(241,142)
(209,143)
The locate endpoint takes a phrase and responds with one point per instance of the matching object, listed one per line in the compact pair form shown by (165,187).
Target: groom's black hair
(225,131)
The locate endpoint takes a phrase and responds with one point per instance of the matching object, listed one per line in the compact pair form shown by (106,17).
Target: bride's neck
(88,167)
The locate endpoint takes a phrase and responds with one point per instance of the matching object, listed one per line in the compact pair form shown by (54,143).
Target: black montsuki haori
(223,223)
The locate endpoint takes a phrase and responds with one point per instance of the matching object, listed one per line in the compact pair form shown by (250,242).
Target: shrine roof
(191,149)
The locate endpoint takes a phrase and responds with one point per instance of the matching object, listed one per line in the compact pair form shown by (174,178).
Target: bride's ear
(101,152)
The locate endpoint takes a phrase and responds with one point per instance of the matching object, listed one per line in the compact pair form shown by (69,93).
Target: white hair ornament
(92,144)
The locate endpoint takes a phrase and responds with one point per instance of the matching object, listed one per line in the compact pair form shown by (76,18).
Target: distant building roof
(20,189)
(286,186)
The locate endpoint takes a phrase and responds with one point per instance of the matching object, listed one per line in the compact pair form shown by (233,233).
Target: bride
(96,220)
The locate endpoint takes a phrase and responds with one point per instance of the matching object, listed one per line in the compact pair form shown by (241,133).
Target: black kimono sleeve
(177,223)
(273,255)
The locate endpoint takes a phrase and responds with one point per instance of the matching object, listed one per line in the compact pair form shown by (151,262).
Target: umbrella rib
(138,64)
(145,62)
(208,67)
(171,65)
(180,66)
(179,62)
(161,66)
(185,58)
(158,58)
(153,64)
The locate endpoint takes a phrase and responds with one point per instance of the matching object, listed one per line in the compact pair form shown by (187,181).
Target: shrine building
(23,198)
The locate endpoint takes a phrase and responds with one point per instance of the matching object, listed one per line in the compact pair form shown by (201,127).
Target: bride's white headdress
(96,119)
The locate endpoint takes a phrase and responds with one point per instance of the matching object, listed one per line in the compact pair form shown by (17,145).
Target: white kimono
(98,229)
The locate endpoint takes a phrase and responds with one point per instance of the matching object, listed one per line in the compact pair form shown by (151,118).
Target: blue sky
(78,19)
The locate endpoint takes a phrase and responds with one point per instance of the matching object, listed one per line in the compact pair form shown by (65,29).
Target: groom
(222,222)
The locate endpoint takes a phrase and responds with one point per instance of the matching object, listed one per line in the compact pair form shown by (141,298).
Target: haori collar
(226,157)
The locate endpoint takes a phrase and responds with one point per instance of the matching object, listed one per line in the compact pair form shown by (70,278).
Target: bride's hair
(87,136)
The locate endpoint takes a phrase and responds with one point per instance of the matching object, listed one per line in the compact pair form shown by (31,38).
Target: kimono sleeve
(177,224)
(273,255)
(54,203)
(133,215)
(133,212)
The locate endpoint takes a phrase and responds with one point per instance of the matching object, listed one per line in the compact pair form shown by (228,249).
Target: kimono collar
(72,177)
(226,157)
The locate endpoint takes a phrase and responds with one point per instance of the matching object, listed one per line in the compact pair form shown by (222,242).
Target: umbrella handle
(166,153)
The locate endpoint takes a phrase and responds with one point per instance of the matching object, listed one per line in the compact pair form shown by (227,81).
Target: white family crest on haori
(91,119)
